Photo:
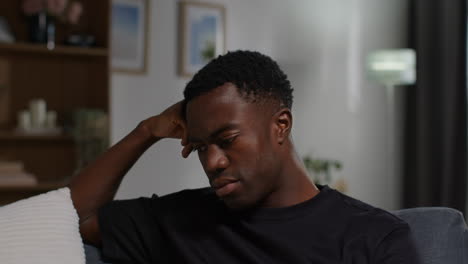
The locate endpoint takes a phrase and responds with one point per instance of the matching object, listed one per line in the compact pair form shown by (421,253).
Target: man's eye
(226,141)
(199,148)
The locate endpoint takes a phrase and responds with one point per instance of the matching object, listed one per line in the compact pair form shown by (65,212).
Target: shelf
(11,135)
(67,78)
(40,187)
(10,194)
(58,50)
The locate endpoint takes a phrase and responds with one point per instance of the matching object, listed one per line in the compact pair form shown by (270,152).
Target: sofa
(440,234)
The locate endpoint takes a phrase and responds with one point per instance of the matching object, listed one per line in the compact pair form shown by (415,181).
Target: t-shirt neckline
(282,213)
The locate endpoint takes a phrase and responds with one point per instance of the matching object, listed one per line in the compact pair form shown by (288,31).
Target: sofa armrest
(93,255)
(440,234)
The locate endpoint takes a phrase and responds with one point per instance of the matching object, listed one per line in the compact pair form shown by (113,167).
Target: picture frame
(202,35)
(129,35)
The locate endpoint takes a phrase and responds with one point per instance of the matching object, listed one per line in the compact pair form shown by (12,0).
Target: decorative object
(38,24)
(129,35)
(5,32)
(91,130)
(37,119)
(202,35)
(80,40)
(392,68)
(66,11)
(24,120)
(44,14)
(13,173)
(4,91)
(41,229)
(38,110)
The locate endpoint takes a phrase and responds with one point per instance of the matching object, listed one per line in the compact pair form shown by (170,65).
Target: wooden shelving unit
(15,136)
(40,187)
(14,193)
(57,51)
(67,78)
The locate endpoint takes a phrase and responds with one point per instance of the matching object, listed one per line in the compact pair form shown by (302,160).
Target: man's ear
(283,124)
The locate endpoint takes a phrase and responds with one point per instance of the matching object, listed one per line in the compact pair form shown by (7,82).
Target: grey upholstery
(93,255)
(440,234)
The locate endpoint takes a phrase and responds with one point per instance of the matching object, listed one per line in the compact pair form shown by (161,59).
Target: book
(17,179)
(11,167)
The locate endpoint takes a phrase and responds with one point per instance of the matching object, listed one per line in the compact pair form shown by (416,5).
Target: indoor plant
(320,170)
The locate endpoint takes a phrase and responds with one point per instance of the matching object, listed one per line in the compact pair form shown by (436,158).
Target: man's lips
(224,186)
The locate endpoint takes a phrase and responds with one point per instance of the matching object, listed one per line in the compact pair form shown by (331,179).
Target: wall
(339,113)
(321,45)
(161,170)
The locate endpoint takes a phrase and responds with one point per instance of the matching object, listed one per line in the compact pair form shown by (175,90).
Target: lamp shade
(392,67)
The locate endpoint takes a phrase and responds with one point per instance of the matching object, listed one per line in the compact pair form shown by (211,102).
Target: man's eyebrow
(216,133)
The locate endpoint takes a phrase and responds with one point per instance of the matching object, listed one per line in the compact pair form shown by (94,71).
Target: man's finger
(184,140)
(187,150)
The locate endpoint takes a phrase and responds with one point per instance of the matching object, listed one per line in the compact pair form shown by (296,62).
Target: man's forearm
(97,184)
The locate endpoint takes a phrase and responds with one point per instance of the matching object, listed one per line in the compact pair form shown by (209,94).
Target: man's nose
(214,160)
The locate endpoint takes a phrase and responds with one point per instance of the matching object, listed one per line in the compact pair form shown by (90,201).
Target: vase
(41,28)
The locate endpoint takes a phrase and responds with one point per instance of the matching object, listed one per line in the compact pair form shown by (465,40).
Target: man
(261,206)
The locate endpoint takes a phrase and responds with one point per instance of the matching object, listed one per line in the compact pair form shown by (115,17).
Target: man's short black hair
(256,76)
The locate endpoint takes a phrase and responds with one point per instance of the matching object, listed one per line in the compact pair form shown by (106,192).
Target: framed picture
(129,35)
(202,35)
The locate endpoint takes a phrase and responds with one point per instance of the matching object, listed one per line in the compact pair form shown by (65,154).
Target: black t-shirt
(194,226)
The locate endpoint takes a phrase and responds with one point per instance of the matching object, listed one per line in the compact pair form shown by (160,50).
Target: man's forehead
(201,133)
(224,99)
(213,115)
(222,108)
(210,119)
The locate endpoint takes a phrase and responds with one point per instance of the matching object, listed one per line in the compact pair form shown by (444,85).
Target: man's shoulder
(187,198)
(378,233)
(365,217)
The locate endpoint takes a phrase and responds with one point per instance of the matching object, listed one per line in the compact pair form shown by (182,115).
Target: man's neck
(294,186)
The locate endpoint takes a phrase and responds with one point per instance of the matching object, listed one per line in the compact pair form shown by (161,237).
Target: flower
(32,7)
(65,10)
(56,7)
(74,12)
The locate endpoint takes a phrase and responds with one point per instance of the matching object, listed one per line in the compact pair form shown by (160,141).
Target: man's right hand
(169,124)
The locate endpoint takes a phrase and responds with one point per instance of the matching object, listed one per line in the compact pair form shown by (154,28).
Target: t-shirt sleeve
(130,232)
(397,247)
